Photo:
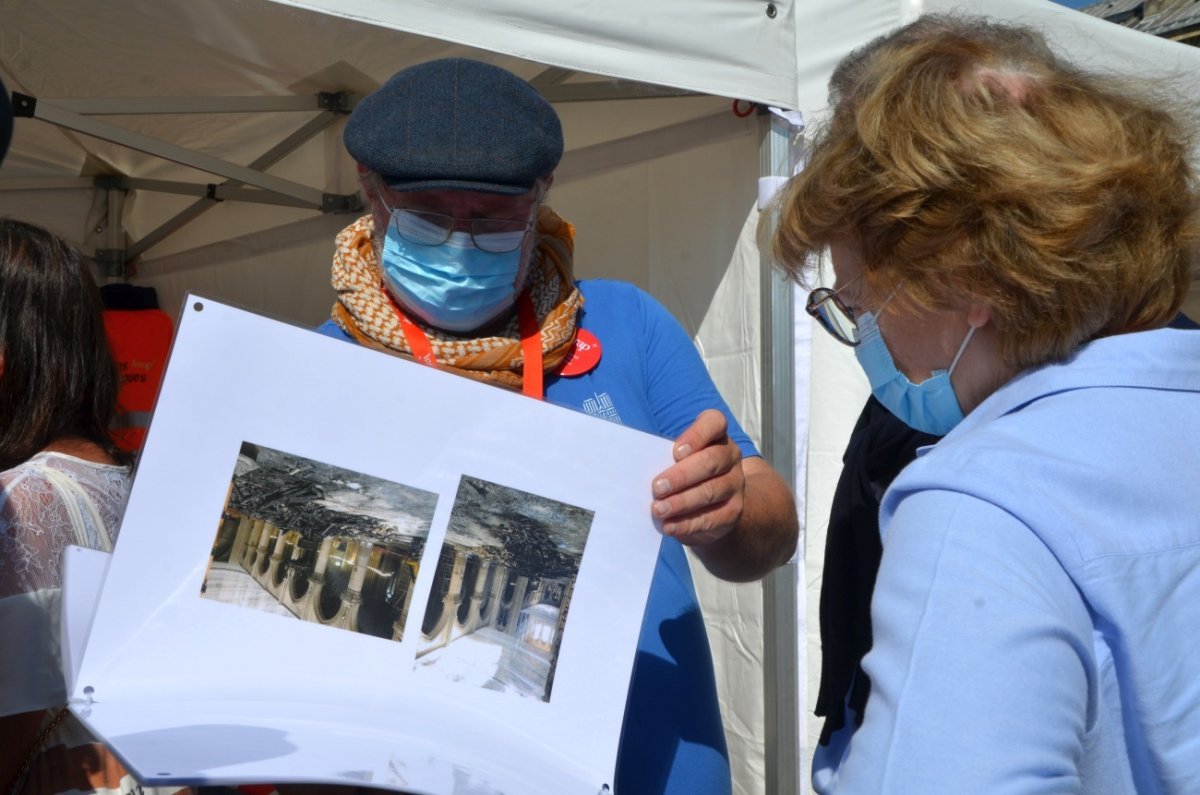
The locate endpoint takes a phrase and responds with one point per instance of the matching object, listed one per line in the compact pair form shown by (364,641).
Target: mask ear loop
(961,348)
(888,300)
(878,311)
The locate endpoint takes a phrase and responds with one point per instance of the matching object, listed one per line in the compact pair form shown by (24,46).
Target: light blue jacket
(1037,613)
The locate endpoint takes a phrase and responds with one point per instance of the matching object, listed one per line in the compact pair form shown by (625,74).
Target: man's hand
(736,514)
(699,500)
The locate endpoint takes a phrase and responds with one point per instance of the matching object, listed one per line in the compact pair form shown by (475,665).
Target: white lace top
(48,502)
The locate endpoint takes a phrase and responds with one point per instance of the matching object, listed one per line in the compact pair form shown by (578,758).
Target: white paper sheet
(190,688)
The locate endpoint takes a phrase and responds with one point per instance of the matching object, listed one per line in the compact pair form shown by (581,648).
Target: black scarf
(879,448)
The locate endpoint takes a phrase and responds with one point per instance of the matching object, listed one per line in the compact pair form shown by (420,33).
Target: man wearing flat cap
(460,265)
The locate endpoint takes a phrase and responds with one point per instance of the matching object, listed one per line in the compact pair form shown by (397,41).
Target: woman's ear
(979,315)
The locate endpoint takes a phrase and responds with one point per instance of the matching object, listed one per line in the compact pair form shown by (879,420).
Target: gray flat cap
(456,124)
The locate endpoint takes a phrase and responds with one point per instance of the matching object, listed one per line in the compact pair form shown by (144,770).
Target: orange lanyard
(531,346)
(531,343)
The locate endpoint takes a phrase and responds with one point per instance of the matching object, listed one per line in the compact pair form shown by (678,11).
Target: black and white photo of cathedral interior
(312,541)
(504,580)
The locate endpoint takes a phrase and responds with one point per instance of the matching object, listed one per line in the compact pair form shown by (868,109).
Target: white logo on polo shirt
(602,406)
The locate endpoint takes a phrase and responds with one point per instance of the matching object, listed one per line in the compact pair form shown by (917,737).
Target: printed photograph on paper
(308,540)
(503,585)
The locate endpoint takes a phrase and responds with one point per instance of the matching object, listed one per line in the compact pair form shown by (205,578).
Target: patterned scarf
(365,311)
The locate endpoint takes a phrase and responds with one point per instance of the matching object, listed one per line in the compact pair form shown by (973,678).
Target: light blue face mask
(454,286)
(930,406)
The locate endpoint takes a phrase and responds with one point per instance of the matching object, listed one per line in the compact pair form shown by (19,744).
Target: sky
(1075,3)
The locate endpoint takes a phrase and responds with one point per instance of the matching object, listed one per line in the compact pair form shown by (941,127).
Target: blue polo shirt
(650,377)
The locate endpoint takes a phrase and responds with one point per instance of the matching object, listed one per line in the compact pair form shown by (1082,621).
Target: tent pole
(25,105)
(111,255)
(782,674)
(273,155)
(149,106)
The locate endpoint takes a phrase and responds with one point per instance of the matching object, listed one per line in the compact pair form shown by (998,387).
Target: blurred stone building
(1178,20)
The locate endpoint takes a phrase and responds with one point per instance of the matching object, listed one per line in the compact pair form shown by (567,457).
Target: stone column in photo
(268,580)
(453,593)
(316,581)
(240,540)
(347,617)
(499,581)
(518,603)
(251,554)
(563,604)
(408,582)
(474,619)
(262,552)
(440,633)
(285,588)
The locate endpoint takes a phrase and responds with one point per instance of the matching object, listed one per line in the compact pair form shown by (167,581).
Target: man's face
(496,223)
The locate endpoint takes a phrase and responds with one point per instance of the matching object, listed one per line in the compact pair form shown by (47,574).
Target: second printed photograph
(504,580)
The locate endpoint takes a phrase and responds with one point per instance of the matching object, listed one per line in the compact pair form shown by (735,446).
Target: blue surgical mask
(930,406)
(454,286)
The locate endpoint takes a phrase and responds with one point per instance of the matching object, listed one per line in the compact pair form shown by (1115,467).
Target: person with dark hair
(460,264)
(1010,237)
(62,482)
(59,379)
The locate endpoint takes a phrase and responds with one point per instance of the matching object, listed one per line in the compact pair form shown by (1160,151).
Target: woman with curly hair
(1010,235)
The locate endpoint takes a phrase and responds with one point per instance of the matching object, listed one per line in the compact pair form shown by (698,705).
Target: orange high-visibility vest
(140,340)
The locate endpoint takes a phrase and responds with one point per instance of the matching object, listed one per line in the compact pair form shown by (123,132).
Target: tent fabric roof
(730,48)
(146,50)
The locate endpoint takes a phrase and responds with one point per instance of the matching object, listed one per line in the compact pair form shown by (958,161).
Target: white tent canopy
(200,143)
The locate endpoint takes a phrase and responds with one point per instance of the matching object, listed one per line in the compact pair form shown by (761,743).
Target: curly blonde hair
(966,160)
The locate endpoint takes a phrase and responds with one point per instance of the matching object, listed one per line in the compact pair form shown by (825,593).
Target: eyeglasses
(837,318)
(494,235)
(831,312)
